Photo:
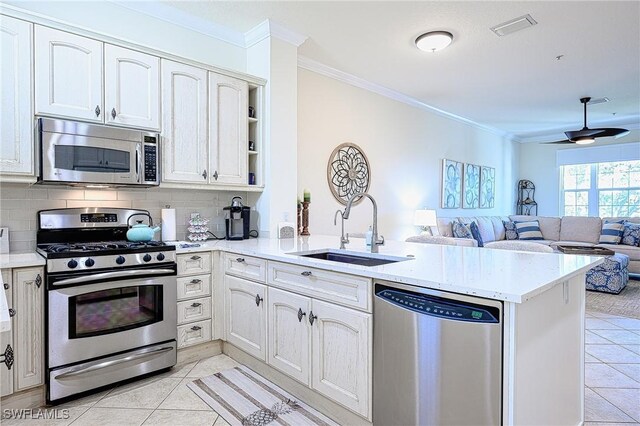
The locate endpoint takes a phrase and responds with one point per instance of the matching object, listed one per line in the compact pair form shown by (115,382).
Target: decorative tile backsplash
(20,203)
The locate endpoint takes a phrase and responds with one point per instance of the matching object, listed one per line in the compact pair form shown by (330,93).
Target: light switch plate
(4,240)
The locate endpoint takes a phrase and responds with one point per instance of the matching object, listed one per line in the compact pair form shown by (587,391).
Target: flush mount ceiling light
(434,41)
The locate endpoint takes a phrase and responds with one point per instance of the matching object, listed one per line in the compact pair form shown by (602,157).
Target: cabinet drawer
(194,286)
(345,289)
(194,310)
(194,333)
(194,263)
(245,266)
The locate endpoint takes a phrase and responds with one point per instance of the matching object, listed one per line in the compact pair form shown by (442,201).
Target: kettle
(141,232)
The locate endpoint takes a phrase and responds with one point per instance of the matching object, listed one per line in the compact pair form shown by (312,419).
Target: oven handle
(116,274)
(144,353)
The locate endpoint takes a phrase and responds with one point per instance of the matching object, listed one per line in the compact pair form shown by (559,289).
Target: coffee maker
(237,220)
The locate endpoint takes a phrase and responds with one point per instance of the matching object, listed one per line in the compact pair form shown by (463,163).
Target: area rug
(626,304)
(243,397)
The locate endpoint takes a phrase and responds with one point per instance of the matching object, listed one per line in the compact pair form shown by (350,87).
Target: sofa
(566,230)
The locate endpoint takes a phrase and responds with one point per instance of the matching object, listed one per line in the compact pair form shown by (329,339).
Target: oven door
(83,159)
(87,321)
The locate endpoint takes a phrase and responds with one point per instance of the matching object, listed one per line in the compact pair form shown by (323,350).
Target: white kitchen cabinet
(16,115)
(341,355)
(28,301)
(132,88)
(6,342)
(289,334)
(184,123)
(68,75)
(246,315)
(228,129)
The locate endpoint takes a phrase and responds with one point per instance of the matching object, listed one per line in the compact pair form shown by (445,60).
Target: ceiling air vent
(513,25)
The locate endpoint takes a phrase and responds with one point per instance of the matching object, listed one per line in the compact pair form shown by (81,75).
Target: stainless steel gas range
(110,305)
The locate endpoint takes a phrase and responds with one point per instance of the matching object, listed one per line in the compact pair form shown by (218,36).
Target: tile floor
(612,370)
(612,394)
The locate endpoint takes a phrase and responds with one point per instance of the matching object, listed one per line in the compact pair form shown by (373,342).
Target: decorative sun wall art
(471,187)
(487,187)
(451,184)
(348,172)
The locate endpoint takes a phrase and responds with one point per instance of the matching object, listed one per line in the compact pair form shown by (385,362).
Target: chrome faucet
(343,240)
(375,242)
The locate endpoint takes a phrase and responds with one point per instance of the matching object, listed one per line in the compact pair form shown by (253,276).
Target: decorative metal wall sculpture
(471,187)
(348,172)
(487,187)
(451,184)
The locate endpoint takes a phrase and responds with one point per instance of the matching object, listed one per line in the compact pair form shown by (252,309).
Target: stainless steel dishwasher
(437,358)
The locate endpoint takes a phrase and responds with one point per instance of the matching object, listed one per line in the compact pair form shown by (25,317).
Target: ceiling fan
(586,135)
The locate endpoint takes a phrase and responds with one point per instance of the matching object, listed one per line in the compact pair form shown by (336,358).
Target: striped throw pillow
(529,230)
(612,232)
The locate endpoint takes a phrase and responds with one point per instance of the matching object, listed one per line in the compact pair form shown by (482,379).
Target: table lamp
(425,219)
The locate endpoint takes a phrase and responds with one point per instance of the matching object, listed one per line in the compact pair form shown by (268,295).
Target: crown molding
(268,28)
(183,19)
(320,68)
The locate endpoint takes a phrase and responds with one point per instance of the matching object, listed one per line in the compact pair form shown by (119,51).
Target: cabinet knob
(300,314)
(204,174)
(306,273)
(38,281)
(8,357)
(196,328)
(12,312)
(195,281)
(196,304)
(240,260)
(6,286)
(215,175)
(195,257)
(258,299)
(312,318)
(97,110)
(113,113)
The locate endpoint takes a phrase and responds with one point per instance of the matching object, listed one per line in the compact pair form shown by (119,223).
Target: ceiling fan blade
(559,142)
(583,133)
(611,132)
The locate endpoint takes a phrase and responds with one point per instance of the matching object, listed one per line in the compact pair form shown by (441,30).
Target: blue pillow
(460,230)
(612,232)
(631,234)
(529,230)
(511,233)
(475,232)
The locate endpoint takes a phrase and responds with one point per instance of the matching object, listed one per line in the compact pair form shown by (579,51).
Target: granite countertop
(21,260)
(506,275)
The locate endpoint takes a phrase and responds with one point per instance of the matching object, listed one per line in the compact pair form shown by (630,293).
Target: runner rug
(243,397)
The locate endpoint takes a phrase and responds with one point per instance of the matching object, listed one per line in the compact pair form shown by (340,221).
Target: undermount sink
(353,258)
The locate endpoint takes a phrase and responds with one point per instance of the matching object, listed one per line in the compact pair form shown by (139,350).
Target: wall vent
(513,25)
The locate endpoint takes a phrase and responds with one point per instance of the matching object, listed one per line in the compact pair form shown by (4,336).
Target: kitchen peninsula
(260,281)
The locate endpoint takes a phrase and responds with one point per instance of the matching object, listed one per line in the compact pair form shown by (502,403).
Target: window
(609,189)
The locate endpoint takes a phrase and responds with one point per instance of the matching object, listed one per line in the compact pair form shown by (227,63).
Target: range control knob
(147,258)
(89,262)
(72,263)
(120,260)
(160,256)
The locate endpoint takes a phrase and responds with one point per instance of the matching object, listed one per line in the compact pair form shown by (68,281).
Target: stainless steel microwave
(75,153)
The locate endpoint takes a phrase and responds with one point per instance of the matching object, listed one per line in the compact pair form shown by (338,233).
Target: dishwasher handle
(439,307)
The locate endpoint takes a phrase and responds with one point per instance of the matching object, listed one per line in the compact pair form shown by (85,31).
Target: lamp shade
(425,218)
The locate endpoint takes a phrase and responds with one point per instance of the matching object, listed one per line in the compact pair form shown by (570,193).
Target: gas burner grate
(98,246)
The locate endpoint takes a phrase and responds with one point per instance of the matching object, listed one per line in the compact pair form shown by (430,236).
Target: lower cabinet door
(28,302)
(6,343)
(341,355)
(246,315)
(289,334)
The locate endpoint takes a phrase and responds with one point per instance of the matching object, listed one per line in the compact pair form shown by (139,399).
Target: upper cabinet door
(68,75)
(16,116)
(184,123)
(132,88)
(228,129)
